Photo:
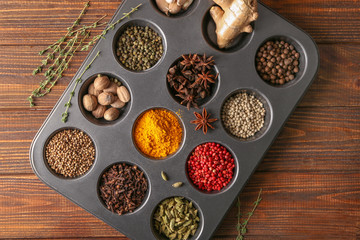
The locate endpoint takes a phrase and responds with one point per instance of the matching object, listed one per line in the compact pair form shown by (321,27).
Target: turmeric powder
(157,133)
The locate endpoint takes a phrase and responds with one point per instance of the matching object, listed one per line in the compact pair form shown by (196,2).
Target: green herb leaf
(51,56)
(85,48)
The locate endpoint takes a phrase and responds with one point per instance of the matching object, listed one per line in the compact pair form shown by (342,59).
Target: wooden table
(310,177)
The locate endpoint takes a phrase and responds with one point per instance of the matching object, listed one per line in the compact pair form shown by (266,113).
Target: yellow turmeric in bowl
(157,133)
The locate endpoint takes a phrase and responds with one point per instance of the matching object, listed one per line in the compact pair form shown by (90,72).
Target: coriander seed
(70,153)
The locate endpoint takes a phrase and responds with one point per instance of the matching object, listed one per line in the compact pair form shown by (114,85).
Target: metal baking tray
(191,32)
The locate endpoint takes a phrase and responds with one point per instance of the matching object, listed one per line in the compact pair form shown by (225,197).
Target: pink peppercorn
(210,167)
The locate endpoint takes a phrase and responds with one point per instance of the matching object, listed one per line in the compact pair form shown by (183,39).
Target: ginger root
(173,6)
(232,19)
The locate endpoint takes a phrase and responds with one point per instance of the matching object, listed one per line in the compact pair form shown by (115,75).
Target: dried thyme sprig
(57,48)
(65,115)
(60,60)
(60,54)
(55,68)
(241,227)
(66,63)
(58,43)
(110,27)
(52,71)
(60,64)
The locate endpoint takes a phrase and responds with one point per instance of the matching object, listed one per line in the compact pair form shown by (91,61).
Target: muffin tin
(189,32)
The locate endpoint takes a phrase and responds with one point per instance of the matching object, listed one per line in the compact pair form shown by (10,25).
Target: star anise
(189,60)
(172,70)
(191,78)
(204,78)
(188,98)
(203,121)
(205,63)
(187,73)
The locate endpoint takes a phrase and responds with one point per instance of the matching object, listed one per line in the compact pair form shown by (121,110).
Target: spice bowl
(88,115)
(100,182)
(191,32)
(224,188)
(181,142)
(267,118)
(302,60)
(139,23)
(208,31)
(55,147)
(198,231)
(213,89)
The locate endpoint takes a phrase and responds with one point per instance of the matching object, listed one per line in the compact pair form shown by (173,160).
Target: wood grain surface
(310,177)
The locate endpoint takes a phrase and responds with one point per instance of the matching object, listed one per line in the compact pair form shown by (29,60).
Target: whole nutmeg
(105,98)
(111,114)
(118,103)
(93,91)
(90,102)
(99,111)
(112,88)
(123,94)
(101,82)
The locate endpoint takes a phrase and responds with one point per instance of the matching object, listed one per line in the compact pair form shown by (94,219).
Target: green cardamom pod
(164,176)
(177,184)
(172,224)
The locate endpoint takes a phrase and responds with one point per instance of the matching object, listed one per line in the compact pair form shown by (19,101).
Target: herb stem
(66,63)
(241,227)
(59,42)
(93,25)
(50,74)
(238,225)
(65,115)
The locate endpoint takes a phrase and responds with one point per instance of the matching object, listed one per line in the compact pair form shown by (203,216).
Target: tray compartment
(267,119)
(208,31)
(183,137)
(144,200)
(51,170)
(302,61)
(102,122)
(200,223)
(229,185)
(141,23)
(214,87)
